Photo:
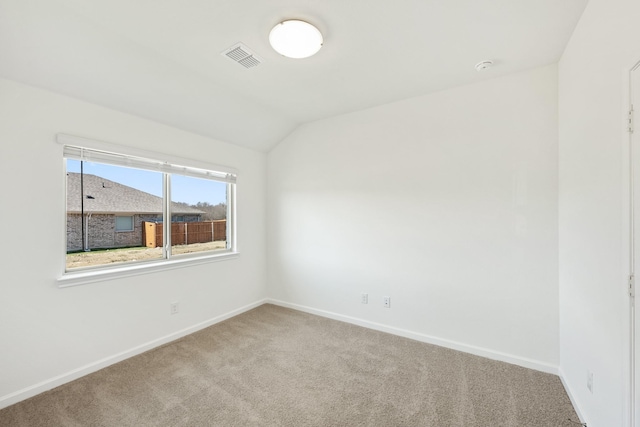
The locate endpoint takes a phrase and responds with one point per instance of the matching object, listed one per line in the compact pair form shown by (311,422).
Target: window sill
(77,278)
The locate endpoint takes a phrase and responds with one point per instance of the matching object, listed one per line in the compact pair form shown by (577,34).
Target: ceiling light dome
(295,39)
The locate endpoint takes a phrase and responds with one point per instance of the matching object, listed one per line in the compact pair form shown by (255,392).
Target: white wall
(47,331)
(446,202)
(592,214)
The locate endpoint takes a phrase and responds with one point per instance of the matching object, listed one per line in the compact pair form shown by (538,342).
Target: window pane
(124,223)
(199,215)
(102,202)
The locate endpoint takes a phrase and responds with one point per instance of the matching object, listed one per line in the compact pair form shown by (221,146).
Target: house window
(124,223)
(101,185)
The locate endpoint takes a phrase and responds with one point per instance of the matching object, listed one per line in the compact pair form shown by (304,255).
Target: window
(124,223)
(124,209)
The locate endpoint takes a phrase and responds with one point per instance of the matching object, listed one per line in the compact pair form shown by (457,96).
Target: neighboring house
(113,213)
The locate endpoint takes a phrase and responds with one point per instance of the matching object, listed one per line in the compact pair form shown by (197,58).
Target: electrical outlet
(174,307)
(590,381)
(364,298)
(386,302)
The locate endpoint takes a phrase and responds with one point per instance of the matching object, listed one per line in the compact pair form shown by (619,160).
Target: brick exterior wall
(74,232)
(103,234)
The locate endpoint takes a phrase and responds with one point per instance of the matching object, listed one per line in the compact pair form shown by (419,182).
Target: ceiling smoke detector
(242,55)
(480,66)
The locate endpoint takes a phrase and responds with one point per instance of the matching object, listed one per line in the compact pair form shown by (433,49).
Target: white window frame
(132,228)
(92,150)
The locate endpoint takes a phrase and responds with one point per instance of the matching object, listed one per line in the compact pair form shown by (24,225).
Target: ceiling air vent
(242,55)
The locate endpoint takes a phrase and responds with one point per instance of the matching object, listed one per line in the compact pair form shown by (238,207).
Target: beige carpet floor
(273,366)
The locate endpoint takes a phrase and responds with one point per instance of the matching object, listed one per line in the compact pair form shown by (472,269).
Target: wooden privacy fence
(184,233)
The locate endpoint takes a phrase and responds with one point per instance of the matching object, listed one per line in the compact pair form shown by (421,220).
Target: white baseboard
(43,386)
(574,401)
(478,351)
(59,380)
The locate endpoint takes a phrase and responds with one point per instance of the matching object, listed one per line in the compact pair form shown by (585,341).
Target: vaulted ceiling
(161,59)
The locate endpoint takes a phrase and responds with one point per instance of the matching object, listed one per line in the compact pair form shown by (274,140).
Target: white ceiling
(160,59)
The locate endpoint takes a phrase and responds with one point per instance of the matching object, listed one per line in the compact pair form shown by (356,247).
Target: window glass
(199,215)
(97,195)
(123,209)
(124,223)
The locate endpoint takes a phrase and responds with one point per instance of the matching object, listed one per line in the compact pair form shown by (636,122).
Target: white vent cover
(242,55)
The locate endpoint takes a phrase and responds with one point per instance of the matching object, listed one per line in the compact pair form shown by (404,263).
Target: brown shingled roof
(112,197)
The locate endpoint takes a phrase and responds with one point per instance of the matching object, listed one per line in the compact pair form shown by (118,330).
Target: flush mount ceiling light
(295,39)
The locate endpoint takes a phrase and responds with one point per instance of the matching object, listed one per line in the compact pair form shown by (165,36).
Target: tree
(212,212)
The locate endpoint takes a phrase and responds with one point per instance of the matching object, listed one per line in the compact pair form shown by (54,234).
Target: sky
(183,188)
